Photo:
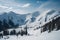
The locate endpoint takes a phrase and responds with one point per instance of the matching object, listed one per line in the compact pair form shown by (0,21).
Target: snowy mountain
(47,16)
(34,23)
(44,18)
(20,19)
(35,19)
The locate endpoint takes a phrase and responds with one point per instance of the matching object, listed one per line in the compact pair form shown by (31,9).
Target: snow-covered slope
(47,16)
(36,34)
(54,35)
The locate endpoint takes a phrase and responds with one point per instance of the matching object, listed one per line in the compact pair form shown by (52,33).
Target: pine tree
(26,30)
(1,35)
(5,32)
(49,27)
(13,32)
(58,23)
(21,32)
(53,24)
(1,28)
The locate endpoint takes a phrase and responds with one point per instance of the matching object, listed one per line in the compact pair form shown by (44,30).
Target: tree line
(50,26)
(13,32)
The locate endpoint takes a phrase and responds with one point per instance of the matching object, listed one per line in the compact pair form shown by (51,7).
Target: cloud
(49,5)
(9,5)
(26,5)
(3,7)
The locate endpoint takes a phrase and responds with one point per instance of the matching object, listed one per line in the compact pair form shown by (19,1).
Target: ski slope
(35,35)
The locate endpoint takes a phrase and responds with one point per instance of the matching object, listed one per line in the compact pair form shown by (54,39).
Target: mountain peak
(11,12)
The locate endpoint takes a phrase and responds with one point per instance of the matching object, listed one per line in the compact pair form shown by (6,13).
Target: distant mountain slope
(20,19)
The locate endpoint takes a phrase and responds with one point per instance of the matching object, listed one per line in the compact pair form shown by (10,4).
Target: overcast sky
(25,6)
